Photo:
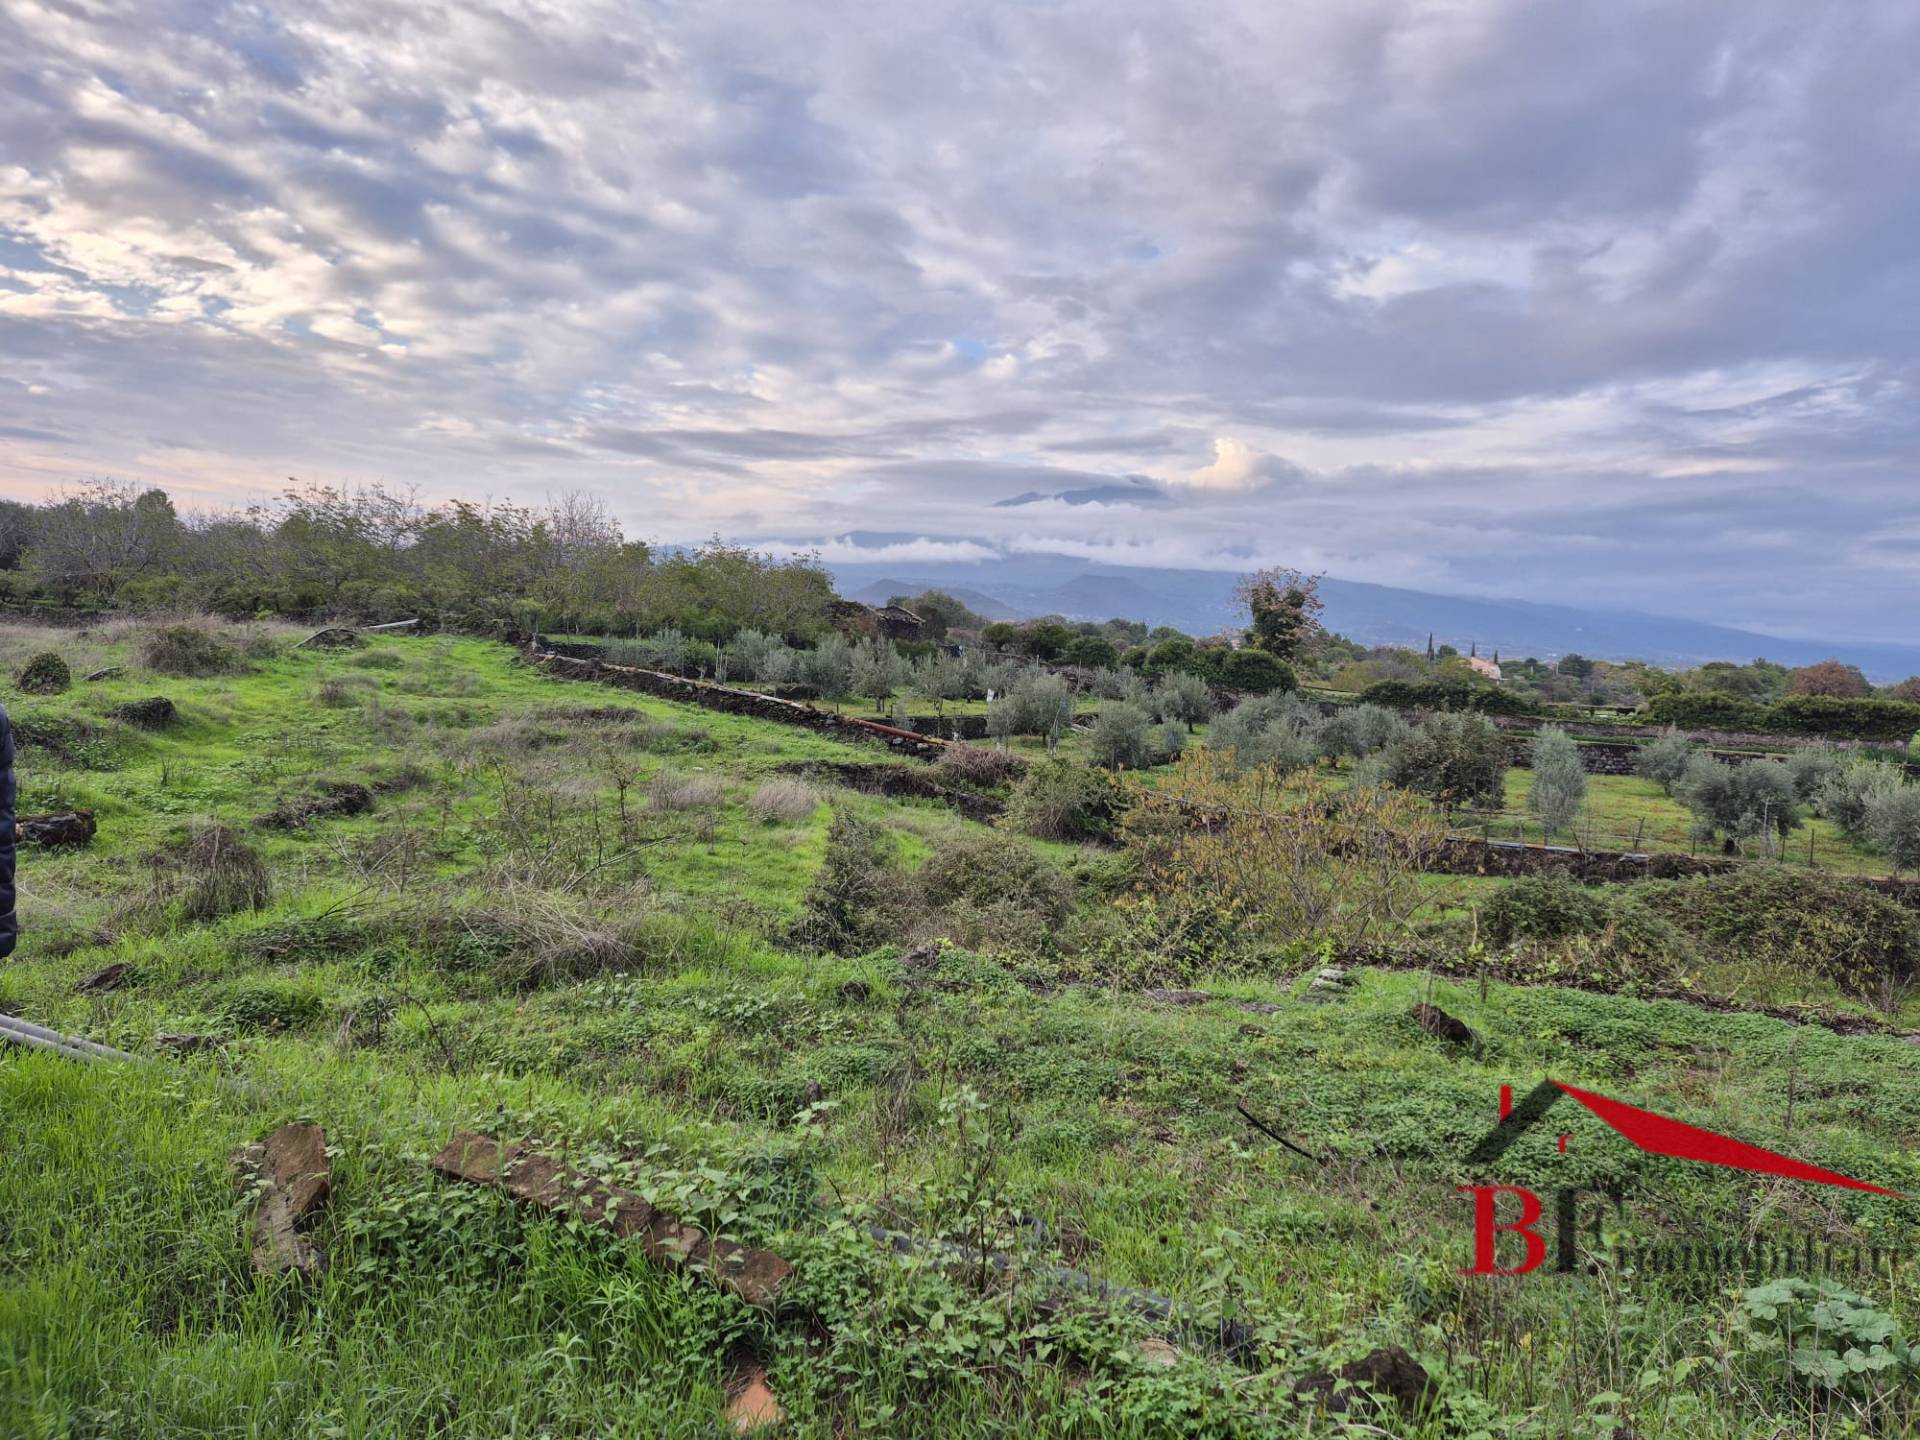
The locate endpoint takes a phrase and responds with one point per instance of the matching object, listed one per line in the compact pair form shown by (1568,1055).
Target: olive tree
(1665,760)
(1893,826)
(1122,738)
(1559,785)
(1750,801)
(1185,698)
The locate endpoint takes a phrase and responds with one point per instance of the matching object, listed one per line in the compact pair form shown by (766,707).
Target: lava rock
(1442,1026)
(156,712)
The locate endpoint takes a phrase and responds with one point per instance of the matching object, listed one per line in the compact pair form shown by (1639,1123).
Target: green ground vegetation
(485,898)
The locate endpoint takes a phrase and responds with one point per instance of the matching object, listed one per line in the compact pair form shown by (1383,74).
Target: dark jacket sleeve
(9,927)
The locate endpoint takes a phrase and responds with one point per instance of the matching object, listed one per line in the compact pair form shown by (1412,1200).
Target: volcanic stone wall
(733,702)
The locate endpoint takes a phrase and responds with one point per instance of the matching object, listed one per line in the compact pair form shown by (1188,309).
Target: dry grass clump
(213,872)
(82,649)
(339,692)
(190,650)
(527,936)
(674,790)
(977,765)
(785,802)
(633,727)
(510,735)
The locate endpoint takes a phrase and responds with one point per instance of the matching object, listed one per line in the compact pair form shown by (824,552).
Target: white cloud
(1236,467)
(845,549)
(1529,329)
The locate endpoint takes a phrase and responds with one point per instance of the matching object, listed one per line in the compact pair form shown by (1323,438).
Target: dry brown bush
(214,872)
(783,801)
(673,790)
(977,765)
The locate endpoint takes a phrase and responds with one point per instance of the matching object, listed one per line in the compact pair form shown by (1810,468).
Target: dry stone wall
(733,702)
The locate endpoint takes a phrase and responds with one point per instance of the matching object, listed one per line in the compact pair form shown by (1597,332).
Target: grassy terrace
(565,917)
(1625,812)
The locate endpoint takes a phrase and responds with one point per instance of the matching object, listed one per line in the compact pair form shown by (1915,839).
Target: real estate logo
(1657,1135)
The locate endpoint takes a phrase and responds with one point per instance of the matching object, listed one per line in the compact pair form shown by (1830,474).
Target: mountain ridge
(1201,602)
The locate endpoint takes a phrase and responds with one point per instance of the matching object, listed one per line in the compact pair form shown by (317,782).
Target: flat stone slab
(292,1165)
(756,1276)
(753,1407)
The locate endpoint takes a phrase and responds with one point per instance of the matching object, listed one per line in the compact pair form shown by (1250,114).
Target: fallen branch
(1273,1134)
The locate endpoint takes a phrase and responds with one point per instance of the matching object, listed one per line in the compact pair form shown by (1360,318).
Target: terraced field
(451,894)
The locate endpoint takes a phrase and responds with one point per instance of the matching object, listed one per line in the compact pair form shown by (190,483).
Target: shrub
(976,765)
(1435,695)
(45,674)
(847,908)
(1059,799)
(1844,719)
(671,790)
(1742,802)
(1122,738)
(1456,758)
(1893,826)
(1091,651)
(261,1005)
(1235,863)
(996,870)
(1704,710)
(1553,915)
(1256,672)
(1805,920)
(1559,785)
(1850,791)
(257,643)
(1808,1334)
(188,650)
(785,802)
(1665,761)
(156,712)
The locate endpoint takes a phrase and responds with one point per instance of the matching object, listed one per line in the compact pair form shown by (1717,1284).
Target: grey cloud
(1525,296)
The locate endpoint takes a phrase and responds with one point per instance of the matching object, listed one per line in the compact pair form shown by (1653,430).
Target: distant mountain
(1125,492)
(879,592)
(1201,602)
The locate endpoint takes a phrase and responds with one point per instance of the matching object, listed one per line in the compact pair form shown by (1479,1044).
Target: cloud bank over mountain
(1609,304)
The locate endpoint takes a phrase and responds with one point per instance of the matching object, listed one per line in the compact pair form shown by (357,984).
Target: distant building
(897,622)
(1483,666)
(891,622)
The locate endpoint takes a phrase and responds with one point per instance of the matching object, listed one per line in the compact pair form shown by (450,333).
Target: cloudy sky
(1616,303)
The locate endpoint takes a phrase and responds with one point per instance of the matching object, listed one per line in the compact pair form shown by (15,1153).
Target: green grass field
(1625,812)
(561,919)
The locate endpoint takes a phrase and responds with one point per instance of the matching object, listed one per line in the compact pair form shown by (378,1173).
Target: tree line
(378,553)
